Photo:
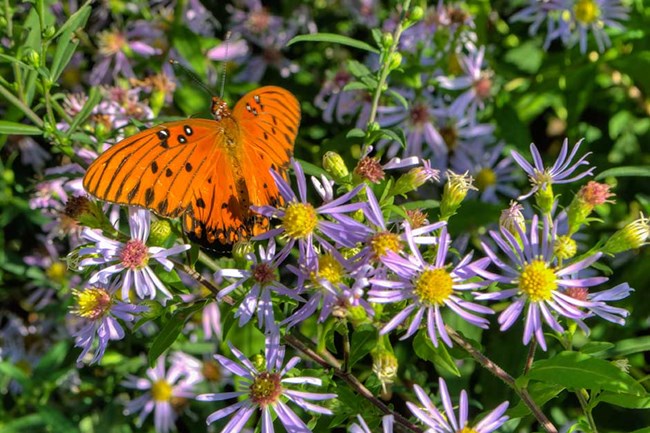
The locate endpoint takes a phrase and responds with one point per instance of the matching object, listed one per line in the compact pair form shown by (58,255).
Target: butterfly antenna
(224,64)
(192,75)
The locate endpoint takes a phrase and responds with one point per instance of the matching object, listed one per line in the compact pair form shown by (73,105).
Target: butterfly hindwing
(156,168)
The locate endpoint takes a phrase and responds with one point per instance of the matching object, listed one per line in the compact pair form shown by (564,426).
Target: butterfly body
(209,171)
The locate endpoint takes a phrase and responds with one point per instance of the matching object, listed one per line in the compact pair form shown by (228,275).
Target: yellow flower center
(467,429)
(92,303)
(433,286)
(299,220)
(537,281)
(161,390)
(266,388)
(565,247)
(330,269)
(110,42)
(587,11)
(485,178)
(383,242)
(56,272)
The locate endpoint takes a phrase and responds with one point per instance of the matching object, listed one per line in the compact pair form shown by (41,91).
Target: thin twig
(495,369)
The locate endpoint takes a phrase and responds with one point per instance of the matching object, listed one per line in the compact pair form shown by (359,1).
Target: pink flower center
(482,86)
(419,115)
(135,254)
(263,273)
(579,293)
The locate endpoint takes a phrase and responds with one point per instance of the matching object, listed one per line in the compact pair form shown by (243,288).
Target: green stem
(15,66)
(22,107)
(581,394)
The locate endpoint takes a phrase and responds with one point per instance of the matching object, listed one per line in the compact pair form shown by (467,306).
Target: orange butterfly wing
(157,168)
(210,170)
(265,124)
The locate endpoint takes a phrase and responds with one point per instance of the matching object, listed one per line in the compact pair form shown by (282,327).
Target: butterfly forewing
(156,168)
(267,120)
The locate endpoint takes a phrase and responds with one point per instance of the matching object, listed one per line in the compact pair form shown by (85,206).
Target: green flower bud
(632,236)
(357,315)
(416,14)
(32,57)
(395,61)
(544,198)
(454,192)
(8,176)
(335,166)
(385,365)
(564,247)
(512,218)
(48,32)
(387,40)
(240,249)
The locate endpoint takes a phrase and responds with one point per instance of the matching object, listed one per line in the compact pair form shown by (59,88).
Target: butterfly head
(219,108)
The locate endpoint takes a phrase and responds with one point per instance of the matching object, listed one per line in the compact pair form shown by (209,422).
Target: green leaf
(56,421)
(94,96)
(355,85)
(398,97)
(421,204)
(629,401)
(438,356)
(11,59)
(577,370)
(629,171)
(14,128)
(27,423)
(52,360)
(66,47)
(186,42)
(170,332)
(540,393)
(364,339)
(335,39)
(630,346)
(77,20)
(311,169)
(10,370)
(596,347)
(527,56)
(358,69)
(355,133)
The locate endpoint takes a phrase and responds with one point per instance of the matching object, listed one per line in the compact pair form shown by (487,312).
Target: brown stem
(493,368)
(531,356)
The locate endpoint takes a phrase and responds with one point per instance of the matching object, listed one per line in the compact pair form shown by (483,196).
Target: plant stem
(495,369)
(531,356)
(585,408)
(22,107)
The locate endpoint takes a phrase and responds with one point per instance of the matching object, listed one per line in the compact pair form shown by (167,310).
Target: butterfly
(209,172)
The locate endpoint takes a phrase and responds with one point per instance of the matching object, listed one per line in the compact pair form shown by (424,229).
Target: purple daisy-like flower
(539,11)
(446,421)
(131,258)
(428,288)
(100,310)
(266,390)
(302,223)
(160,387)
(540,281)
(338,103)
(475,81)
(540,177)
(596,16)
(601,309)
(263,275)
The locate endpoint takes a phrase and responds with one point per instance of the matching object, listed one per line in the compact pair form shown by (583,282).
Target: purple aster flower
(326,278)
(539,280)
(386,424)
(100,310)
(419,123)
(254,19)
(363,11)
(492,174)
(229,51)
(602,310)
(339,103)
(116,46)
(266,390)
(131,258)
(539,11)
(272,46)
(596,16)
(476,81)
(428,288)
(541,177)
(161,387)
(301,223)
(446,421)
(263,277)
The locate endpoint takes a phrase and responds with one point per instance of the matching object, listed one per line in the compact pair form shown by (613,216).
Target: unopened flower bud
(374,126)
(385,365)
(240,249)
(632,236)
(545,199)
(410,181)
(395,61)
(416,218)
(8,176)
(48,32)
(512,218)
(154,308)
(387,40)
(335,166)
(454,192)
(32,57)
(159,232)
(357,315)
(564,247)
(416,14)
(157,101)
(590,195)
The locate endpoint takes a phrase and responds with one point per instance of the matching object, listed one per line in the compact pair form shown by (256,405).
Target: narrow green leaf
(355,85)
(355,133)
(14,128)
(596,347)
(10,370)
(10,59)
(398,97)
(577,370)
(49,364)
(364,339)
(24,424)
(628,401)
(630,346)
(541,393)
(170,331)
(311,169)
(630,171)
(94,96)
(65,48)
(421,204)
(358,69)
(335,39)
(76,21)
